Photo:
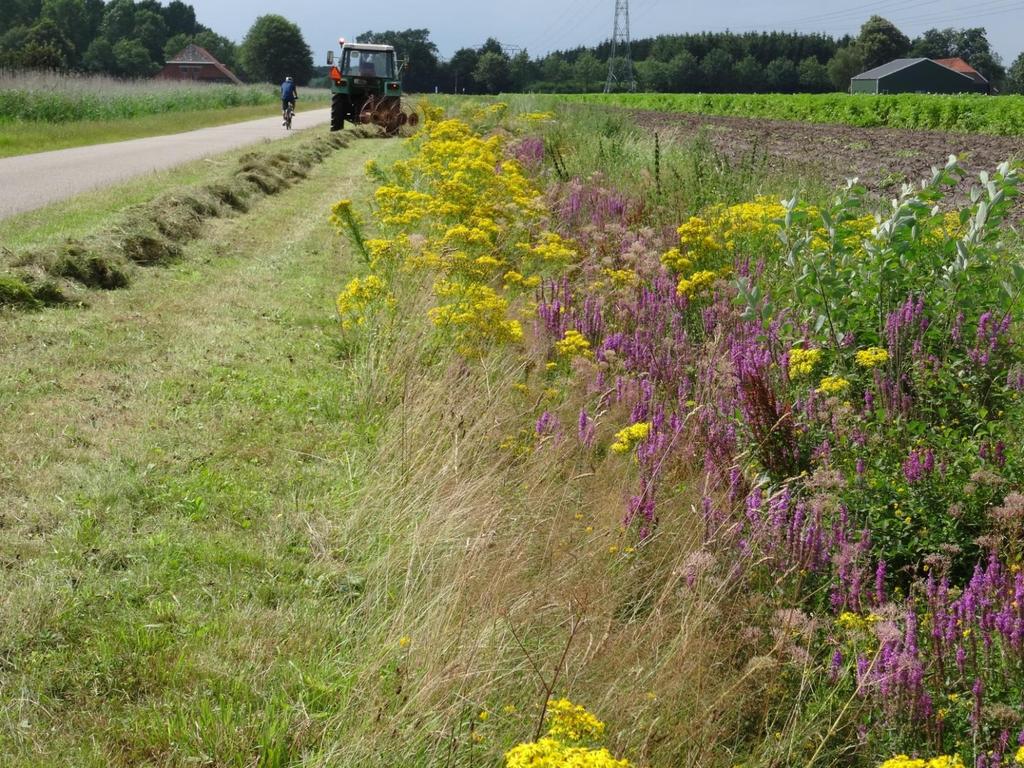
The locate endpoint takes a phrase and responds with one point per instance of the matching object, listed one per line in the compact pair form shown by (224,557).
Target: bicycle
(289,113)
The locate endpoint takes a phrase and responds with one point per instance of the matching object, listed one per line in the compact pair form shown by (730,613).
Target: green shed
(914,76)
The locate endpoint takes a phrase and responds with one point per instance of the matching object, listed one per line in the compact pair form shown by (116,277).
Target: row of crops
(1003,115)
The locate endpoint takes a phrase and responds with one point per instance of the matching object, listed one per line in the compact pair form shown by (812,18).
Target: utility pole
(620,64)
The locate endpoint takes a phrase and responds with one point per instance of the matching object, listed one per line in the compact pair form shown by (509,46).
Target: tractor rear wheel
(339,105)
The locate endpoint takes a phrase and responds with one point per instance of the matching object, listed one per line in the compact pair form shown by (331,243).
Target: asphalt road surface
(28,182)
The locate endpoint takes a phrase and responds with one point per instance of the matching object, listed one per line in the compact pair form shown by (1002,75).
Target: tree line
(710,62)
(133,38)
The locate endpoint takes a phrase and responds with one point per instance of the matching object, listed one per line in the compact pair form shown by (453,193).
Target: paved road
(28,182)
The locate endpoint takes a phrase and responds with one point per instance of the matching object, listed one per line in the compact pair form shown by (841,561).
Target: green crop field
(1003,115)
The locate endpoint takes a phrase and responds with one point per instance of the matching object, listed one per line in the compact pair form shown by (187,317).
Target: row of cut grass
(1003,115)
(173,467)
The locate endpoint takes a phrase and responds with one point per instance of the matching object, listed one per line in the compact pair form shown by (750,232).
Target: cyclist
(289,93)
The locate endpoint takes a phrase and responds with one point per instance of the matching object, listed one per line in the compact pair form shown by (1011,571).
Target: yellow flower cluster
(622,278)
(1019,757)
(854,621)
(475,314)
(871,357)
(551,753)
(552,249)
(356,299)
(802,361)
(833,385)
(942,761)
(573,344)
(675,260)
(572,721)
(697,283)
(537,117)
(630,437)
(456,210)
(721,225)
(570,725)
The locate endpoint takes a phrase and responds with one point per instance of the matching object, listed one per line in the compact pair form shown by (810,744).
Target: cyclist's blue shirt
(287,91)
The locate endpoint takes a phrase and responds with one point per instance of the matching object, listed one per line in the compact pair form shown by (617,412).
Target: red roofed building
(961,66)
(199,65)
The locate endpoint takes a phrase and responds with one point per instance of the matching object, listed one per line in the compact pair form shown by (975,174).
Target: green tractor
(366,88)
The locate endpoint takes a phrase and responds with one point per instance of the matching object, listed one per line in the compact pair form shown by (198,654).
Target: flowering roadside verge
(850,377)
(841,380)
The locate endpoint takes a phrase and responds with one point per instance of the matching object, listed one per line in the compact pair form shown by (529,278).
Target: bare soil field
(879,157)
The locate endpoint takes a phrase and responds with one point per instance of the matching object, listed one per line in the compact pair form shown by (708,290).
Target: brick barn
(197,64)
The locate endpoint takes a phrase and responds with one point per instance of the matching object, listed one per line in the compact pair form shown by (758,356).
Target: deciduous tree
(274,49)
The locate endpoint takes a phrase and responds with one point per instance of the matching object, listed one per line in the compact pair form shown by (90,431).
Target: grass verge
(23,138)
(154,232)
(174,463)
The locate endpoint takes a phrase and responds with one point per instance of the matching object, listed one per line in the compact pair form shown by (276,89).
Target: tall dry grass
(57,97)
(499,573)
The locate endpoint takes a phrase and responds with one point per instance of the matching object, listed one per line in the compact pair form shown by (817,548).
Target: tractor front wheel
(339,106)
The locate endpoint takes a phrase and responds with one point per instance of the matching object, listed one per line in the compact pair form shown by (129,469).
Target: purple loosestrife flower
(836,665)
(548,424)
(978,691)
(586,429)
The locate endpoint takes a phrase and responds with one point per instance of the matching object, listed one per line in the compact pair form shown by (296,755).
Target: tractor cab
(370,61)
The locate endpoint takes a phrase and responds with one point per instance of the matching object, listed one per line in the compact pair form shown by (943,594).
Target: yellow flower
(623,278)
(360,293)
(404,641)
(696,283)
(630,437)
(871,357)
(802,361)
(572,722)
(484,715)
(573,344)
(1019,757)
(942,761)
(833,385)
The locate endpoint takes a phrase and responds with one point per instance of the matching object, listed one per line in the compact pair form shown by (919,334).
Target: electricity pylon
(620,64)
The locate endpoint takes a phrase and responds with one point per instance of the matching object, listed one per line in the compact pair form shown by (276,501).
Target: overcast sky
(544,25)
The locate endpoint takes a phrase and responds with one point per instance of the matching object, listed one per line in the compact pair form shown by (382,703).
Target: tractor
(366,88)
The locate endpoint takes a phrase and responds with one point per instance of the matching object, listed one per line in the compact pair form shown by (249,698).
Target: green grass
(1003,115)
(22,138)
(173,463)
(84,214)
(37,97)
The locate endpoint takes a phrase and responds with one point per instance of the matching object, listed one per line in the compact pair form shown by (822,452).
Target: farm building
(916,76)
(964,68)
(197,64)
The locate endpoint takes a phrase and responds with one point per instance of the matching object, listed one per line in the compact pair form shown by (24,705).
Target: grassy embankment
(176,462)
(241,536)
(40,112)
(233,539)
(1003,115)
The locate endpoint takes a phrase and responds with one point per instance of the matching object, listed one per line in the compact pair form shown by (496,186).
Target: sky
(544,25)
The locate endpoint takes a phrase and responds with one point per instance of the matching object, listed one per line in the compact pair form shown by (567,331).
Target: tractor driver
(289,94)
(367,67)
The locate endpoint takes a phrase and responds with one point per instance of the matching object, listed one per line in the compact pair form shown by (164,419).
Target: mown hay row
(156,232)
